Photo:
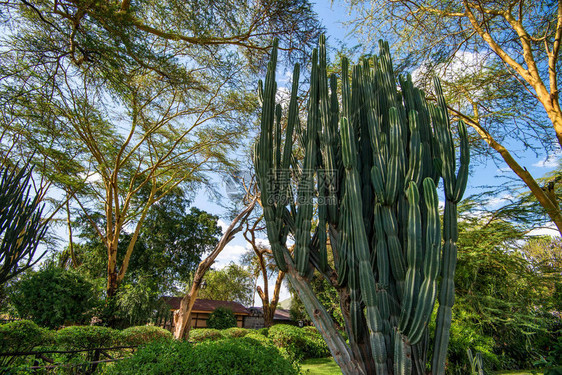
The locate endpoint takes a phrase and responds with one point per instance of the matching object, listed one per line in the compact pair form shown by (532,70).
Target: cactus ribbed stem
(371,167)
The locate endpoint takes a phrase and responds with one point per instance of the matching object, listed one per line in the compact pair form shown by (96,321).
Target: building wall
(199,320)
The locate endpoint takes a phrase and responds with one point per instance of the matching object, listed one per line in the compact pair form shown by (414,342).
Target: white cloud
(548,230)
(91,177)
(499,200)
(503,170)
(223,224)
(264,242)
(230,253)
(550,162)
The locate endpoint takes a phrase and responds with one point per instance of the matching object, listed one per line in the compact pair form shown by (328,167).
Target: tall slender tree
(118,98)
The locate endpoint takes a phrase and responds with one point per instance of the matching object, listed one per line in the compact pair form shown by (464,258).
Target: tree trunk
(348,363)
(268,315)
(182,316)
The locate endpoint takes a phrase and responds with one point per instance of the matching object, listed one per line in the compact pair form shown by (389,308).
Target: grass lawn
(320,366)
(327,366)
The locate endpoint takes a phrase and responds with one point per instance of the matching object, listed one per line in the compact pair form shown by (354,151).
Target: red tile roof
(207,305)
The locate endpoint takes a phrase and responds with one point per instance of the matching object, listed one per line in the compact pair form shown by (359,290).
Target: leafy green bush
(53,297)
(141,335)
(263,331)
(234,332)
(202,334)
(221,318)
(241,356)
(464,335)
(259,337)
(20,336)
(87,337)
(299,343)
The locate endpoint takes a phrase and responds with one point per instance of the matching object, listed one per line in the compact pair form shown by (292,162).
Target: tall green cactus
(371,167)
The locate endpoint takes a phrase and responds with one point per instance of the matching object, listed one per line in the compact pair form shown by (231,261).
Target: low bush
(20,336)
(141,335)
(221,318)
(234,332)
(203,334)
(87,337)
(263,331)
(242,356)
(299,343)
(259,337)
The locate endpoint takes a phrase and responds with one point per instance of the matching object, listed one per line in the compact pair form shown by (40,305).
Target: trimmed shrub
(221,318)
(21,336)
(299,343)
(54,297)
(234,332)
(141,335)
(261,338)
(202,334)
(241,356)
(87,337)
(263,331)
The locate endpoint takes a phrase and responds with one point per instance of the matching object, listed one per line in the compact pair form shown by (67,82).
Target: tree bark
(183,315)
(324,323)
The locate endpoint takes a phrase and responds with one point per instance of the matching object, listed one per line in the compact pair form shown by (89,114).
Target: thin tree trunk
(182,316)
(324,323)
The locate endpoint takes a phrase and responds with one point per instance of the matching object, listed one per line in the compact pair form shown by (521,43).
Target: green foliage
(243,356)
(263,331)
(21,225)
(202,334)
(169,248)
(20,336)
(53,297)
(464,336)
(299,343)
(221,318)
(123,107)
(265,341)
(87,337)
(235,332)
(505,288)
(231,283)
(141,335)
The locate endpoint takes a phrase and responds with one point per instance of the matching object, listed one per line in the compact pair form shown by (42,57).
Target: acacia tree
(502,58)
(117,98)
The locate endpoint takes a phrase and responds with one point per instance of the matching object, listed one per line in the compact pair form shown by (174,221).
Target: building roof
(207,305)
(280,314)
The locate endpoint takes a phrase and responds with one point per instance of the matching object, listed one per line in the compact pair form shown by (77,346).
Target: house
(255,320)
(202,308)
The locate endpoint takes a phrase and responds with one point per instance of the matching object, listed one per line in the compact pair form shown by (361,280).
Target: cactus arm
(454,187)
(413,253)
(428,289)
